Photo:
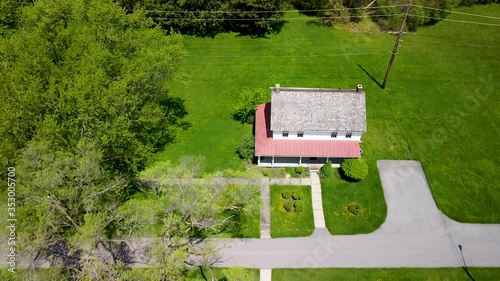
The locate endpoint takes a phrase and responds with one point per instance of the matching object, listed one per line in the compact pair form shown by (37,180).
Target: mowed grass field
(440,105)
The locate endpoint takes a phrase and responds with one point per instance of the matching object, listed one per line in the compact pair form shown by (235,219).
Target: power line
(267,19)
(262,12)
(461,21)
(454,12)
(289,56)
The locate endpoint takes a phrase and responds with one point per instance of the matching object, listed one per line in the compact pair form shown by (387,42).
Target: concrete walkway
(265,211)
(266,274)
(415,234)
(317,202)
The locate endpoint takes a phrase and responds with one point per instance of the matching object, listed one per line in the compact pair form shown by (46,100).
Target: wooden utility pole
(396,46)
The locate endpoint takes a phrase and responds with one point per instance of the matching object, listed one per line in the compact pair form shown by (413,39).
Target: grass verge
(380,274)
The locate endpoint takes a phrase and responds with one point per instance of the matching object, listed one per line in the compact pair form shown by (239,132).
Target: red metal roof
(265,145)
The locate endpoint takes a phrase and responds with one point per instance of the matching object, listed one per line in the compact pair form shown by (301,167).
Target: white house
(308,126)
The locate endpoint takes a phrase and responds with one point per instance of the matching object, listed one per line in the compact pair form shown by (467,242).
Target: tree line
(260,17)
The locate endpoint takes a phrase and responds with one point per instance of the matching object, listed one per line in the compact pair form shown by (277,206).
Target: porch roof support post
(258,160)
(300,160)
(272,162)
(327,159)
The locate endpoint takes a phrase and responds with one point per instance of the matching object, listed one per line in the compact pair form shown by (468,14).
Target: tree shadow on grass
(371,76)
(344,177)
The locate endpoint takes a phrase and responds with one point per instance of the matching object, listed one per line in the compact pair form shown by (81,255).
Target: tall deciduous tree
(84,104)
(210,17)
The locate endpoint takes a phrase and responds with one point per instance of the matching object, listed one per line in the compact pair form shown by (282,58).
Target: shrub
(297,195)
(326,170)
(299,206)
(244,110)
(246,148)
(288,206)
(356,169)
(354,209)
(300,170)
(286,194)
(266,172)
(292,172)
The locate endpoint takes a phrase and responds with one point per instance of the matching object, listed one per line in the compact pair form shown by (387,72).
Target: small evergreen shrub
(354,209)
(356,169)
(286,194)
(326,170)
(288,206)
(297,195)
(246,148)
(299,206)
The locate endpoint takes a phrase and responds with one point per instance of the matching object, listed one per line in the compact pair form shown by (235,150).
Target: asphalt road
(415,234)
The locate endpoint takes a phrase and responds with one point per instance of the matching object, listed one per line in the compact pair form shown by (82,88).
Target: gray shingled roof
(303,109)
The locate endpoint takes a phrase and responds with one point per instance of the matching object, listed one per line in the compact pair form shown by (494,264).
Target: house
(309,126)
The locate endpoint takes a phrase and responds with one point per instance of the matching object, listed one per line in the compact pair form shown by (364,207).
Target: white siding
(311,135)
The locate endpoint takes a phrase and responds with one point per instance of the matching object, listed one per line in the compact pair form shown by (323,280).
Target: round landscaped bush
(286,194)
(299,206)
(288,206)
(297,195)
(326,170)
(355,169)
(354,209)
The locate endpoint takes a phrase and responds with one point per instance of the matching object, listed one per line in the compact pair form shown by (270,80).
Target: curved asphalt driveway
(415,234)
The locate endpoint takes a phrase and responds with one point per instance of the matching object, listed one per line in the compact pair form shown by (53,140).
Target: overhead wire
(267,19)
(264,12)
(455,12)
(452,20)
(292,56)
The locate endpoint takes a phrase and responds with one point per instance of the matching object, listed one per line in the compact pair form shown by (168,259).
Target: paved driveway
(415,234)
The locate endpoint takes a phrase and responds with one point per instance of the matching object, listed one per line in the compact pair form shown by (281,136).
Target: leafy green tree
(85,103)
(208,18)
(424,16)
(244,110)
(9,13)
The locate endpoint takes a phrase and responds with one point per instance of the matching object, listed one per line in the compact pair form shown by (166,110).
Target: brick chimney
(359,88)
(277,88)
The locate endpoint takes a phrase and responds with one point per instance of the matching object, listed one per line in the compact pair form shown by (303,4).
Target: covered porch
(280,161)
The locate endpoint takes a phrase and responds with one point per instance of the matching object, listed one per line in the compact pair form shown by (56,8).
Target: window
(334,134)
(285,134)
(300,134)
(348,135)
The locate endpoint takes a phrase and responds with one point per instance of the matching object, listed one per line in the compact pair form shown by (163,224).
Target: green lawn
(440,105)
(292,223)
(386,274)
(338,193)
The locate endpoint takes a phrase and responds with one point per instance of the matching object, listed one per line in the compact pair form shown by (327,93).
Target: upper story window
(285,134)
(348,135)
(300,134)
(333,135)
